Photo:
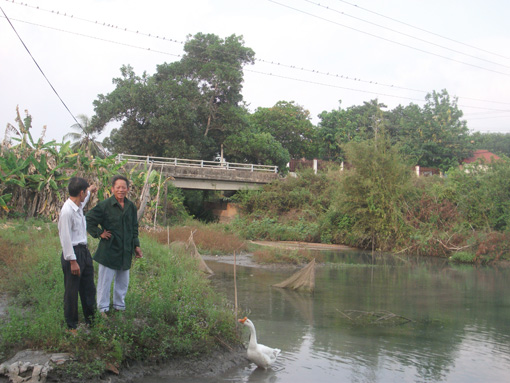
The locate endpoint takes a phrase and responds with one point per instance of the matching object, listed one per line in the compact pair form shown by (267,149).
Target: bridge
(206,175)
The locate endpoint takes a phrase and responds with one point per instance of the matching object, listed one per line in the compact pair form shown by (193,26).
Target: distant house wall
(479,157)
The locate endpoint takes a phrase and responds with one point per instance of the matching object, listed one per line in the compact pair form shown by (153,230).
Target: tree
(356,123)
(186,109)
(216,65)
(85,138)
(436,135)
(290,125)
(256,148)
(373,193)
(497,143)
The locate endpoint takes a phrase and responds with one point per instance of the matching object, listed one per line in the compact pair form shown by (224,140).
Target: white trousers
(120,287)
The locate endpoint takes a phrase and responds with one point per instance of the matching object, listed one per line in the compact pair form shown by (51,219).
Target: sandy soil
(294,245)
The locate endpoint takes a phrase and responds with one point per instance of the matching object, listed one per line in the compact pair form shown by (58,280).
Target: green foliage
(248,146)
(497,143)
(462,257)
(290,125)
(34,180)
(374,193)
(356,123)
(435,135)
(84,138)
(171,309)
(482,193)
(186,109)
(432,136)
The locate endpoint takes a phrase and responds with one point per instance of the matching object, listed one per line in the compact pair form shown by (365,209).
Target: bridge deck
(207,175)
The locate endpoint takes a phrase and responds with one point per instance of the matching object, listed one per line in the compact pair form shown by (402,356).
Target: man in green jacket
(115,222)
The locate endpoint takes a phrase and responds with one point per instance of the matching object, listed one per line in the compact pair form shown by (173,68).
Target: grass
(172,310)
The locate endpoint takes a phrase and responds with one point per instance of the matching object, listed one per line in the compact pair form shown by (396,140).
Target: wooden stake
(235,286)
(157,196)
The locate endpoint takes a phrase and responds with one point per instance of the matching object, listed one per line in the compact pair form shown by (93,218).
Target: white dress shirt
(72,227)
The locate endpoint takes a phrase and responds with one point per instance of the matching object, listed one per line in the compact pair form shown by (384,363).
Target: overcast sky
(307,51)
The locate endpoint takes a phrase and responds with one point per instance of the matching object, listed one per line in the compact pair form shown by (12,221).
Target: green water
(451,323)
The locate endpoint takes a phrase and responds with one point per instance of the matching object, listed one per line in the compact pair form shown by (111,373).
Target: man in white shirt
(76,259)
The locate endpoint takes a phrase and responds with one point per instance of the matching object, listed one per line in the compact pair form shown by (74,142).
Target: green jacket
(116,252)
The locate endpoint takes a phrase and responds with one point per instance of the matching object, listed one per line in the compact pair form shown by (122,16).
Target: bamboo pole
(144,197)
(157,197)
(235,285)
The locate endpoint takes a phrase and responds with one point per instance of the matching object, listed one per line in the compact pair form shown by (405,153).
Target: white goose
(259,354)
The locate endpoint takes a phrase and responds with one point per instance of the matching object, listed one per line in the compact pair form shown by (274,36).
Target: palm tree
(84,138)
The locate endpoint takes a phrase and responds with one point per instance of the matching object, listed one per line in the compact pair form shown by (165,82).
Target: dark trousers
(82,285)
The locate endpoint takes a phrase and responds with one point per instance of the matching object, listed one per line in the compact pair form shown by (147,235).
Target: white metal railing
(196,163)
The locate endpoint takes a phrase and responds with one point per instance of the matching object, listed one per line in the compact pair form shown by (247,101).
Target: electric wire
(271,74)
(278,64)
(388,40)
(38,66)
(150,35)
(424,30)
(257,72)
(405,34)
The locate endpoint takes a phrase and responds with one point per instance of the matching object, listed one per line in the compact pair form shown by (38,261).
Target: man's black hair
(119,177)
(76,185)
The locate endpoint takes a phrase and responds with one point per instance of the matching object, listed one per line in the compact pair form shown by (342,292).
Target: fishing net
(195,254)
(304,279)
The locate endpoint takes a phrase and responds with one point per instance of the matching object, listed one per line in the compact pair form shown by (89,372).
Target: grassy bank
(171,309)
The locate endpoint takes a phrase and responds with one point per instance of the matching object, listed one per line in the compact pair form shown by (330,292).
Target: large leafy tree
(435,135)
(216,65)
(290,125)
(257,148)
(186,108)
(356,123)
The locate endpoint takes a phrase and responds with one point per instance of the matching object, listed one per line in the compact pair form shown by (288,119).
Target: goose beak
(242,320)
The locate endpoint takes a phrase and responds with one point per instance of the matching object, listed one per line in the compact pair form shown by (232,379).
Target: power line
(388,40)
(40,69)
(423,30)
(150,35)
(404,34)
(276,75)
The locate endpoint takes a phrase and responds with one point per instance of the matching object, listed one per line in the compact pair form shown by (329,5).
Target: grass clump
(172,310)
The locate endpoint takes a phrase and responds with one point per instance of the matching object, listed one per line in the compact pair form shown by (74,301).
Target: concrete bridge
(206,175)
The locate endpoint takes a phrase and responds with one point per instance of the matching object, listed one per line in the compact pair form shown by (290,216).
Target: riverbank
(173,316)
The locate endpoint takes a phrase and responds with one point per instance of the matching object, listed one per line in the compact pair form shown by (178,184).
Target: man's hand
(75,268)
(106,235)
(92,188)
(138,252)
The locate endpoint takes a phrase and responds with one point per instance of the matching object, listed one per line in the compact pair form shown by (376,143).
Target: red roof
(483,155)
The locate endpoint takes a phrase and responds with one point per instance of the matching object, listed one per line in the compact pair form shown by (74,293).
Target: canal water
(376,319)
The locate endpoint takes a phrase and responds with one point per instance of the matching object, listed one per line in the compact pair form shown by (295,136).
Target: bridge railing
(196,163)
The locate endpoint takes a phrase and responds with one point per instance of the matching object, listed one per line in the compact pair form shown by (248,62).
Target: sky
(321,54)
